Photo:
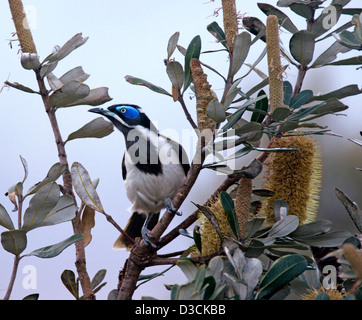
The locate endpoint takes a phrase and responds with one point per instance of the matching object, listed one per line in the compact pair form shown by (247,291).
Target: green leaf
(281,113)
(303,10)
(30,61)
(188,268)
(242,44)
(14,241)
(141,82)
(69,281)
(55,249)
(217,32)
(318,26)
(216,111)
(330,239)
(312,229)
(347,62)
(301,47)
(282,17)
(282,228)
(97,128)
(70,93)
(251,171)
(5,219)
(47,68)
(300,99)
(98,278)
(20,87)
(197,239)
(331,106)
(211,217)
(228,205)
(329,55)
(72,44)
(351,207)
(76,73)
(341,93)
(288,92)
(40,205)
(176,74)
(260,105)
(53,174)
(282,271)
(84,188)
(253,226)
(95,97)
(172,44)
(193,51)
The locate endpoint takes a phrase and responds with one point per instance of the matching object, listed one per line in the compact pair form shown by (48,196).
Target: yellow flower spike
(242,203)
(230,22)
(294,177)
(274,63)
(333,294)
(22,26)
(354,257)
(210,240)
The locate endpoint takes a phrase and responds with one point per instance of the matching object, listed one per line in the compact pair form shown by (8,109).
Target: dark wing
(124,170)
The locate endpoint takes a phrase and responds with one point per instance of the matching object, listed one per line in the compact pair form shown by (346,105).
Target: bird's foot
(146,235)
(171,208)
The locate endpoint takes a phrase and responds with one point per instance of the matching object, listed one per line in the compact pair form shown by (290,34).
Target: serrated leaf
(228,205)
(55,249)
(217,32)
(193,51)
(84,187)
(40,205)
(72,44)
(53,174)
(282,271)
(301,47)
(69,93)
(14,241)
(5,219)
(97,128)
(172,44)
(242,44)
(69,281)
(141,82)
(176,74)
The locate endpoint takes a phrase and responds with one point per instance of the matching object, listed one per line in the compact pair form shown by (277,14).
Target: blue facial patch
(128,112)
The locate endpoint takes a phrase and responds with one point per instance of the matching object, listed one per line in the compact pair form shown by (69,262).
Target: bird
(153,169)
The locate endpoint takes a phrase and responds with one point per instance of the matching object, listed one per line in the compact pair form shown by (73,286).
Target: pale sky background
(130,38)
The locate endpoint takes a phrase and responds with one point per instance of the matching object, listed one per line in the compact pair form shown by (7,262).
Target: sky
(130,38)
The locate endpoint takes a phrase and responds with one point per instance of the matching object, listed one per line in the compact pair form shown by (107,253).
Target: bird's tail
(133,229)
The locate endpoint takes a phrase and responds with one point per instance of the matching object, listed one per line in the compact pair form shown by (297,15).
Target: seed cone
(294,177)
(242,203)
(22,26)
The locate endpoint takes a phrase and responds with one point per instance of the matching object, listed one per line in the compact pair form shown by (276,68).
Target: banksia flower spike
(242,203)
(333,294)
(204,96)
(294,177)
(230,22)
(22,26)
(354,257)
(274,63)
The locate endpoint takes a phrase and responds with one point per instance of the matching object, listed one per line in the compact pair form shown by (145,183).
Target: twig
(187,113)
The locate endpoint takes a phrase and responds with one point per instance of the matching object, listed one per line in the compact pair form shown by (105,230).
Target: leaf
(72,44)
(193,51)
(5,219)
(25,166)
(281,113)
(14,241)
(318,26)
(282,271)
(40,205)
(176,74)
(68,279)
(301,47)
(330,239)
(87,223)
(283,227)
(30,61)
(303,10)
(251,171)
(65,210)
(141,82)
(47,68)
(84,187)
(329,55)
(216,111)
(211,217)
(300,99)
(253,226)
(53,174)
(313,228)
(172,44)
(54,82)
(217,32)
(98,278)
(332,106)
(33,296)
(20,87)
(97,128)
(260,105)
(347,62)
(76,73)
(351,207)
(341,93)
(96,97)
(69,93)
(55,249)
(242,44)
(282,17)
(288,92)
(188,268)
(228,205)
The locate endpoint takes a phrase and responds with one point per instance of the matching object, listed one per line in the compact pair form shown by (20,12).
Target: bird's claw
(146,235)
(171,208)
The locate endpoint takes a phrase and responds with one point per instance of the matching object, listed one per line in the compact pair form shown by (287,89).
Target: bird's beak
(101,111)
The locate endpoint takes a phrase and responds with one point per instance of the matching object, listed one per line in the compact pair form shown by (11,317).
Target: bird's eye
(123,110)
